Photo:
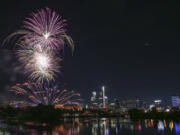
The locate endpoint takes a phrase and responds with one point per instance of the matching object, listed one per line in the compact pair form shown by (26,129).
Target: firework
(42,37)
(45,28)
(39,65)
(39,94)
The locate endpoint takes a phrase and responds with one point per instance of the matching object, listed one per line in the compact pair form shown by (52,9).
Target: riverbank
(154,114)
(51,115)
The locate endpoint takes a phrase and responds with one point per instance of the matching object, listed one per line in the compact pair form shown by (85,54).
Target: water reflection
(103,126)
(171,125)
(177,128)
(160,125)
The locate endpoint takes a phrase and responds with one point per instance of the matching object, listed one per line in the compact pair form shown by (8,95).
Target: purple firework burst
(44,28)
(39,94)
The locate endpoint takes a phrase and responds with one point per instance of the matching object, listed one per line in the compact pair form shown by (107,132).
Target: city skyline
(89,67)
(133,54)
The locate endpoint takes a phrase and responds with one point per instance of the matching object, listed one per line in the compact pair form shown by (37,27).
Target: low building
(18,104)
(68,107)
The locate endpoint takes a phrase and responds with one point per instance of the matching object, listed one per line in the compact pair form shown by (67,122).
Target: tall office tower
(103,94)
(175,101)
(103,98)
(94,99)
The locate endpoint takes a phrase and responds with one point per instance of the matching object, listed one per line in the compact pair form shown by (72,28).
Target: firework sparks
(42,61)
(42,37)
(39,65)
(45,28)
(39,94)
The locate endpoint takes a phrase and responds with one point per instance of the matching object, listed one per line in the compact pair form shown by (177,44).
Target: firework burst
(38,64)
(42,37)
(39,94)
(45,28)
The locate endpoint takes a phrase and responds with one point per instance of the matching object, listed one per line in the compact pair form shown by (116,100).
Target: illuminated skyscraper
(99,100)
(175,101)
(94,102)
(103,98)
(103,92)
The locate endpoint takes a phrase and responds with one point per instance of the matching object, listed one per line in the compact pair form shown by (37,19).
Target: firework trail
(42,37)
(39,94)
(39,65)
(45,28)
(39,42)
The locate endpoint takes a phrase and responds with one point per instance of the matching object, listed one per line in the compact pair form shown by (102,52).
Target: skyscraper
(103,98)
(103,92)
(99,100)
(175,101)
(94,102)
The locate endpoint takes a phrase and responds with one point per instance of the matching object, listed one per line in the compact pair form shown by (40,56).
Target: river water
(103,126)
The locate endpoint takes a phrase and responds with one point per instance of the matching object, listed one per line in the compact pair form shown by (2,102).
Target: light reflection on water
(103,126)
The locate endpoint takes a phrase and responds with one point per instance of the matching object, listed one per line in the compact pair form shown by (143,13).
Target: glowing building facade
(99,100)
(94,100)
(175,101)
(103,99)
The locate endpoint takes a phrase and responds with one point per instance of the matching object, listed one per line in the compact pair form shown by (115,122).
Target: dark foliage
(154,114)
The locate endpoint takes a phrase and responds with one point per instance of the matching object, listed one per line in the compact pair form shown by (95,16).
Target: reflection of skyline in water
(101,126)
(177,128)
(160,125)
(107,126)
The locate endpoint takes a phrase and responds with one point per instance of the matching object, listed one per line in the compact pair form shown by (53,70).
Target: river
(102,126)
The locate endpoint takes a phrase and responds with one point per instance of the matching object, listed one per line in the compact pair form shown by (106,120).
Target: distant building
(129,104)
(68,107)
(158,103)
(19,104)
(94,100)
(141,104)
(175,100)
(115,104)
(133,104)
(103,99)
(99,100)
(151,106)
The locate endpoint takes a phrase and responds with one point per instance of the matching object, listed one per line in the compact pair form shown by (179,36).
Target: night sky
(130,46)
